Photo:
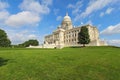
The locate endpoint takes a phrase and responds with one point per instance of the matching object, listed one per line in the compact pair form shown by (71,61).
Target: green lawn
(89,63)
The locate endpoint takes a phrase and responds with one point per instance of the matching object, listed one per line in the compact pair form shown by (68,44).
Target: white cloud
(3,12)
(22,18)
(47,2)
(70,6)
(114,42)
(89,22)
(76,7)
(102,14)
(35,6)
(59,18)
(81,23)
(56,11)
(3,15)
(94,5)
(3,5)
(51,27)
(32,36)
(115,29)
(18,37)
(108,11)
(31,14)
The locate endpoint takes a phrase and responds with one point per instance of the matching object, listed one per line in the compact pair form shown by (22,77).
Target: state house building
(66,35)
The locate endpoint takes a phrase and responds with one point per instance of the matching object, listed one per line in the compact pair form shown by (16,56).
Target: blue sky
(33,19)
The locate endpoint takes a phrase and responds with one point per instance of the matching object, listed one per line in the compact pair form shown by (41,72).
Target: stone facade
(67,35)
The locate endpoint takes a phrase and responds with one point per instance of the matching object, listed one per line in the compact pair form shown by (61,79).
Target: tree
(83,36)
(4,41)
(29,42)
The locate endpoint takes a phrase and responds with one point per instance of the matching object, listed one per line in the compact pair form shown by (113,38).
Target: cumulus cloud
(59,18)
(31,14)
(35,6)
(115,29)
(22,18)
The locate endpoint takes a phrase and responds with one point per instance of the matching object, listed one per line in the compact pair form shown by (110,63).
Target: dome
(67,18)
(66,23)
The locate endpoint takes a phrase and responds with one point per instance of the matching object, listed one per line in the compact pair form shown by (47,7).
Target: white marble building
(67,35)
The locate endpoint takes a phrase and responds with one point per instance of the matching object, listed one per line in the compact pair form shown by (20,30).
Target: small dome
(67,18)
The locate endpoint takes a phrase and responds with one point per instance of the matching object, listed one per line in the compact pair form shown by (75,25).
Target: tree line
(5,41)
(83,38)
(29,43)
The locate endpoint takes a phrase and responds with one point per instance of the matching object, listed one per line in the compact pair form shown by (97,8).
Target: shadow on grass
(3,61)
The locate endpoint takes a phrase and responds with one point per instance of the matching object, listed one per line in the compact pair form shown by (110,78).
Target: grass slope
(89,63)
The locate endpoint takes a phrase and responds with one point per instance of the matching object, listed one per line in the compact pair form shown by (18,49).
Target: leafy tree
(4,41)
(83,36)
(29,42)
